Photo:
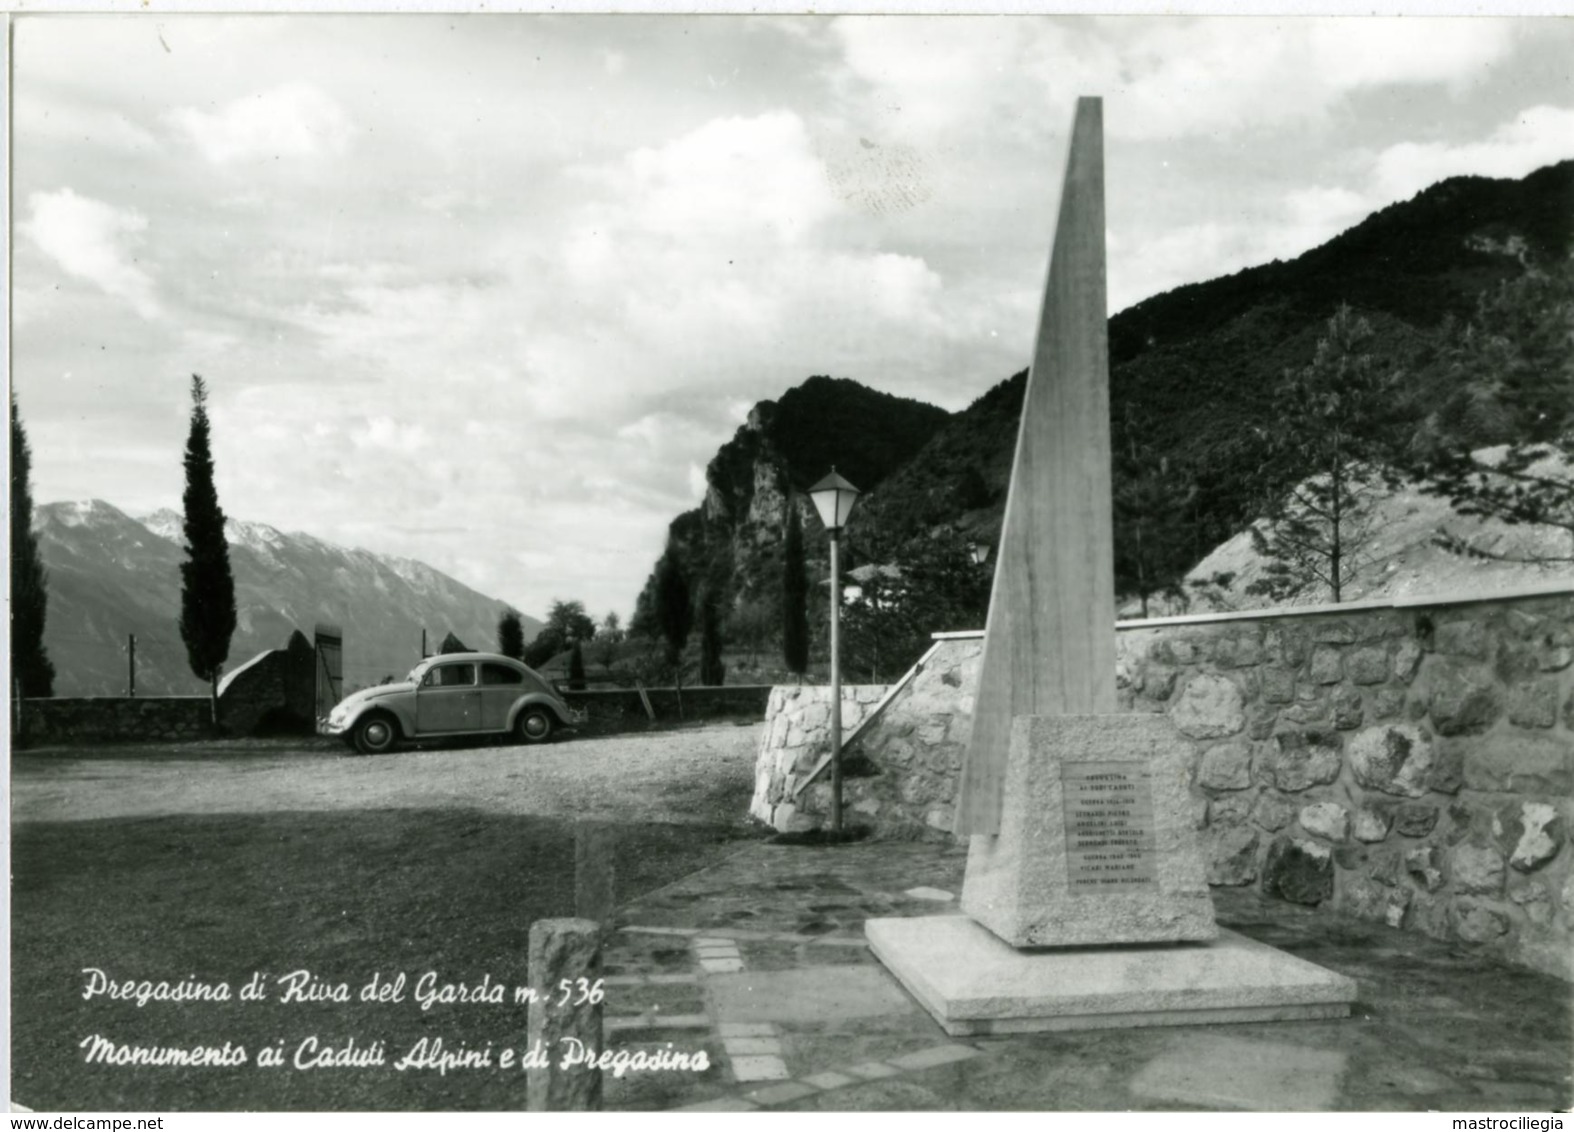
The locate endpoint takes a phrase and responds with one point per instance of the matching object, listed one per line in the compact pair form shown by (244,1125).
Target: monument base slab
(1096,840)
(973,982)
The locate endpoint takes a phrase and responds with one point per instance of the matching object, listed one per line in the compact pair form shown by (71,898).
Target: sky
(490,291)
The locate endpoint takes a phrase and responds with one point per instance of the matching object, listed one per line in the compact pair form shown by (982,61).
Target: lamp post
(833,499)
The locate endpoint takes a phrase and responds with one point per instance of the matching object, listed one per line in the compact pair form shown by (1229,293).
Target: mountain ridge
(112,575)
(1193,380)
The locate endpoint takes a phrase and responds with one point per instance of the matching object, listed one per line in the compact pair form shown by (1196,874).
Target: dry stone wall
(100,719)
(1407,764)
(796,738)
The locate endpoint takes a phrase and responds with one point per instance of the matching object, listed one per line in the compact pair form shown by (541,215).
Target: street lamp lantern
(833,499)
(979,551)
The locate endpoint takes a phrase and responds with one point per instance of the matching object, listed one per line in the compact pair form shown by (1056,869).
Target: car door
(501,685)
(448,699)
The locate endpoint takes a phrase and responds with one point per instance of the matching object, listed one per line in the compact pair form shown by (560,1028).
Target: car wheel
(534,725)
(375,734)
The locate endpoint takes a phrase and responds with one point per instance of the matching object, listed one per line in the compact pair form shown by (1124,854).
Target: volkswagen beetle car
(463,693)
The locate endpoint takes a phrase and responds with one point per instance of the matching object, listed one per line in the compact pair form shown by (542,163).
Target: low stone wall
(1407,763)
(265,697)
(620,709)
(273,693)
(100,719)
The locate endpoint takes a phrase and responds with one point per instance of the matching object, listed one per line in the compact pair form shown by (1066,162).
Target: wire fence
(104,664)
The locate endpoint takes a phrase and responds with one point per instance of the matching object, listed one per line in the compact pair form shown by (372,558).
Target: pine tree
(207,592)
(795,596)
(1514,362)
(30,665)
(511,635)
(712,671)
(1335,411)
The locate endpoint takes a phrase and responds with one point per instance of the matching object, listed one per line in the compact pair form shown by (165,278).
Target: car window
(500,674)
(450,676)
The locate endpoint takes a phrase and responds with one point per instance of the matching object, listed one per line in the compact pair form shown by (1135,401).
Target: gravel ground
(698,775)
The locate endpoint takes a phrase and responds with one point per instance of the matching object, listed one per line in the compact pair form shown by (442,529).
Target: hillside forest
(1434,329)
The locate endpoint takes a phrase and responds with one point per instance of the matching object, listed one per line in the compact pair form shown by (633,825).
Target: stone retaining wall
(1411,764)
(796,737)
(99,719)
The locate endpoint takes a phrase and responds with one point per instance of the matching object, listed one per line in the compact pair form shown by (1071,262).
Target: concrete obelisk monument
(1078,818)
(1099,844)
(1050,645)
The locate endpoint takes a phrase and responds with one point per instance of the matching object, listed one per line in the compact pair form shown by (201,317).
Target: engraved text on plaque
(1109,826)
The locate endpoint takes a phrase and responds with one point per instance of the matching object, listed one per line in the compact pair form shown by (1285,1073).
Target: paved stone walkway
(760,961)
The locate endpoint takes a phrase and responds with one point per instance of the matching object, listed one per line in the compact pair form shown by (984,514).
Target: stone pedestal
(1091,908)
(1096,843)
(974,983)
(595,875)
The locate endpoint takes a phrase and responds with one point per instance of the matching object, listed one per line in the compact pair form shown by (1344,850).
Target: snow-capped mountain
(111,575)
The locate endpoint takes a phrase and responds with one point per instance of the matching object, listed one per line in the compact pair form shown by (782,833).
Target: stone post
(564,950)
(595,874)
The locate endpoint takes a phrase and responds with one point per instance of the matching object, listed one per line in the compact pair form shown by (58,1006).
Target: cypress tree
(207,589)
(576,668)
(712,671)
(30,665)
(795,596)
(511,636)
(674,613)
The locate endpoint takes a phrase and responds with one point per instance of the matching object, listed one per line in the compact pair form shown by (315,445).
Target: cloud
(387,434)
(296,120)
(556,265)
(92,240)
(421,328)
(933,79)
(724,255)
(1539,136)
(732,177)
(1165,78)
(1321,209)
(1349,53)
(38,118)
(1304,218)
(1282,72)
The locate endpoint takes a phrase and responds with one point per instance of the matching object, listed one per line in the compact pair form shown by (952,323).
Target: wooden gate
(329,646)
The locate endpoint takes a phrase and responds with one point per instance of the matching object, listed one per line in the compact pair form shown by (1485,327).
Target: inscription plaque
(1109,826)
